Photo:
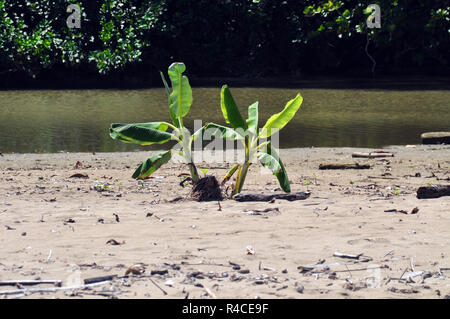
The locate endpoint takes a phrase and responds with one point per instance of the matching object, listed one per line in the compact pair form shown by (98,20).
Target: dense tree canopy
(223,37)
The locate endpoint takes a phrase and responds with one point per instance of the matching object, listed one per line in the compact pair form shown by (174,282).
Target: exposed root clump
(207,189)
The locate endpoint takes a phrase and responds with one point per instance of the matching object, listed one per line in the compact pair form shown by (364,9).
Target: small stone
(300,289)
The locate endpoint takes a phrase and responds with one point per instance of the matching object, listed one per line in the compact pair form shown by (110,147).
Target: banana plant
(250,135)
(180,101)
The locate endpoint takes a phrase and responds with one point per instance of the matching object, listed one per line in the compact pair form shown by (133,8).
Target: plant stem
(242,174)
(188,157)
(194,172)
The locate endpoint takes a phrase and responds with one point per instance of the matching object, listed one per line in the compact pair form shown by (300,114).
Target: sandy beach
(54,227)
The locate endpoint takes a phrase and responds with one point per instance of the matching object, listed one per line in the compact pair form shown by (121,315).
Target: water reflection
(52,121)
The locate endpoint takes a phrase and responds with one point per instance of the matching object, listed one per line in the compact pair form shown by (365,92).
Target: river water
(53,121)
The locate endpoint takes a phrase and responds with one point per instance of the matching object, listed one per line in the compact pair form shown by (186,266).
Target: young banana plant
(180,101)
(250,135)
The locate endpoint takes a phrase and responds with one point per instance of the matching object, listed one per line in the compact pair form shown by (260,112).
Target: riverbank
(70,229)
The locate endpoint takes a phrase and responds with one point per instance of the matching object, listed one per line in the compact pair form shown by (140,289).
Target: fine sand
(56,227)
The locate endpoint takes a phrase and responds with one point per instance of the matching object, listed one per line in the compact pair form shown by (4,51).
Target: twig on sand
(387,254)
(94,280)
(341,255)
(372,155)
(404,272)
(209,292)
(320,267)
(30,282)
(164,292)
(328,166)
(268,197)
(49,256)
(358,269)
(205,264)
(411,275)
(349,271)
(55,289)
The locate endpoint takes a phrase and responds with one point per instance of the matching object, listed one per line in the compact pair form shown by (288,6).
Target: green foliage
(180,100)
(34,35)
(409,35)
(268,37)
(248,133)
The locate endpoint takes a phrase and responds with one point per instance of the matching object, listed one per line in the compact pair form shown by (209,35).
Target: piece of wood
(435,138)
(268,197)
(343,166)
(54,289)
(349,256)
(94,280)
(411,275)
(209,292)
(159,287)
(433,191)
(30,282)
(322,267)
(371,155)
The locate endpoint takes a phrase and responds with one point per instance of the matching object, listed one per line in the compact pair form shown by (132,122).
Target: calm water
(52,121)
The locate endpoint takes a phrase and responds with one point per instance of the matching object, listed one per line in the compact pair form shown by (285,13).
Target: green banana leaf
(252,120)
(230,110)
(152,164)
(173,115)
(141,133)
(181,96)
(270,159)
(278,121)
(223,131)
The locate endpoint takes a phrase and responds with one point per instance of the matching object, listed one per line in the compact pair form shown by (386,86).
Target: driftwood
(344,166)
(321,267)
(268,197)
(341,255)
(53,289)
(159,287)
(94,280)
(30,282)
(411,275)
(436,138)
(372,155)
(433,191)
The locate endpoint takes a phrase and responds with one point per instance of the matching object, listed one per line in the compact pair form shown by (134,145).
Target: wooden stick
(341,255)
(343,166)
(209,292)
(387,254)
(371,155)
(30,282)
(435,138)
(38,290)
(99,279)
(350,270)
(268,197)
(164,292)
